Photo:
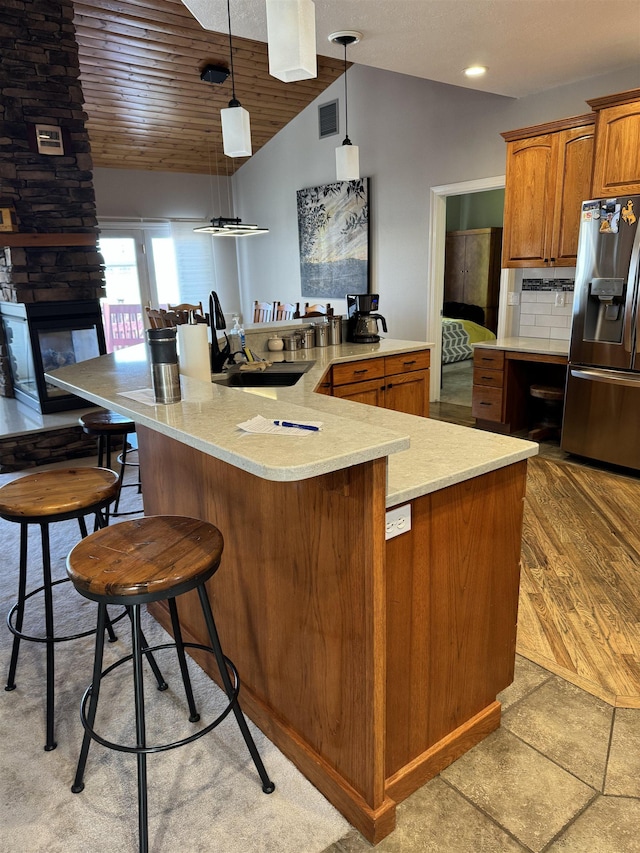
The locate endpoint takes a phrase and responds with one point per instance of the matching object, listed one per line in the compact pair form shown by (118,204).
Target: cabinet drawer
(487,403)
(488,377)
(488,358)
(406,362)
(356,371)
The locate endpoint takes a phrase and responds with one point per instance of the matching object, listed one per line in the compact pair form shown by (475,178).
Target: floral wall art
(333,232)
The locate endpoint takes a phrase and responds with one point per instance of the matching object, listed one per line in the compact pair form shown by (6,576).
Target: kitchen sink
(280,373)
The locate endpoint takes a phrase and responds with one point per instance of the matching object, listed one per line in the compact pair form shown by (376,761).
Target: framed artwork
(333,233)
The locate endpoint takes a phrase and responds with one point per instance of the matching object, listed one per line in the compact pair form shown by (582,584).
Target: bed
(462,330)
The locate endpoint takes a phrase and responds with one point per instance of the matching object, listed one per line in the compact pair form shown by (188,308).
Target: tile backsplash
(546,307)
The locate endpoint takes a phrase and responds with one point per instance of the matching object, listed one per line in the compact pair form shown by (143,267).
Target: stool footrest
(137,750)
(23,636)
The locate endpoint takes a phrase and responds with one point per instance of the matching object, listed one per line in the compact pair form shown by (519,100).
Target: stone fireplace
(49,260)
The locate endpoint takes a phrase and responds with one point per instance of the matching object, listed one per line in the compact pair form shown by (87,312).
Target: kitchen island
(371,663)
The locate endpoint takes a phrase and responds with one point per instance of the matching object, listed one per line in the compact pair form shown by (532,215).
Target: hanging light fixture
(225,226)
(236,127)
(291,33)
(347,155)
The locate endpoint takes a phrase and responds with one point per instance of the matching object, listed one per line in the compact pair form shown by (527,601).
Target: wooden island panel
(371,665)
(452,602)
(299,604)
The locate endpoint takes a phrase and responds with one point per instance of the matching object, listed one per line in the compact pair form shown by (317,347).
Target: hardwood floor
(579,613)
(580,588)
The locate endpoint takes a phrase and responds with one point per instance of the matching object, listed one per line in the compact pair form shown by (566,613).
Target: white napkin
(263,426)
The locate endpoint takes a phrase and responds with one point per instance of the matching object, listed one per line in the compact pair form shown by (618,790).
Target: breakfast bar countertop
(424,455)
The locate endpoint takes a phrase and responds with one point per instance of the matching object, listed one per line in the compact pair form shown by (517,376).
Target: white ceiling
(528,45)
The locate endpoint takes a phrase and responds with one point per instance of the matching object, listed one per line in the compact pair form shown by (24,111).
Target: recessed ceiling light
(475,70)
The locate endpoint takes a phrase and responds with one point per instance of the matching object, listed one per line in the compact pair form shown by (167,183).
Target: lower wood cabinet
(502,381)
(398,382)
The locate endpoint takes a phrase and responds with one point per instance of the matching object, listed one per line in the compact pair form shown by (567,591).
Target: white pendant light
(236,126)
(236,130)
(291,33)
(347,155)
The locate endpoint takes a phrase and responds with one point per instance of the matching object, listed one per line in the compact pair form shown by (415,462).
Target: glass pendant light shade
(236,131)
(291,32)
(347,162)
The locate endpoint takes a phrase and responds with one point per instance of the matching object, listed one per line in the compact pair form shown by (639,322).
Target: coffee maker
(362,324)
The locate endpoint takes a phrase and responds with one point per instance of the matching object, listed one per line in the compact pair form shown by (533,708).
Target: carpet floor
(205,796)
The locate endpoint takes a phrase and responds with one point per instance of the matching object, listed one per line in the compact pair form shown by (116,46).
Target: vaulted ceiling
(140,63)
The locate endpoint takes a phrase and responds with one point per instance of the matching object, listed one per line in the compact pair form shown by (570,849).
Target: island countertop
(424,455)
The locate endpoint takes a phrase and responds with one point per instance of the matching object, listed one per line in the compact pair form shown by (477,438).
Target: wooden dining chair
(262,312)
(185,309)
(161,319)
(287,310)
(317,310)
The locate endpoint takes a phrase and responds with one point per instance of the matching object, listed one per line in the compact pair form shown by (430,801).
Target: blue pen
(297,426)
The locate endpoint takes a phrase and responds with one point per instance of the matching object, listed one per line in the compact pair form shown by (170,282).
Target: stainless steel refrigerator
(602,401)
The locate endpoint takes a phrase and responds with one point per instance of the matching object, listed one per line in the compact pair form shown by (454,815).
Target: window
(150,264)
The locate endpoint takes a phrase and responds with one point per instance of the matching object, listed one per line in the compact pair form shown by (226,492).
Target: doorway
(437,242)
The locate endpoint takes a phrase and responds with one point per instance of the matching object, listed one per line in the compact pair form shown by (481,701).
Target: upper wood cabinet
(548,176)
(616,168)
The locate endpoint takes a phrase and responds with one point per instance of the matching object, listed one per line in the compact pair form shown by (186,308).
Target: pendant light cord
(346,101)
(234,102)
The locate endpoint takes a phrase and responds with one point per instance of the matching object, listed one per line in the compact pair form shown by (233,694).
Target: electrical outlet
(397,521)
(560,299)
(513,298)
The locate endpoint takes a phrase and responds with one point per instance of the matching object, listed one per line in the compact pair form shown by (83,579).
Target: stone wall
(51,194)
(40,448)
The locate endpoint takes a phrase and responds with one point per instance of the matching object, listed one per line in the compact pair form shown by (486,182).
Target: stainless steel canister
(308,338)
(322,334)
(165,374)
(291,342)
(335,330)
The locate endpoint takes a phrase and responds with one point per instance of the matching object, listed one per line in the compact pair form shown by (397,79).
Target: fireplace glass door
(44,337)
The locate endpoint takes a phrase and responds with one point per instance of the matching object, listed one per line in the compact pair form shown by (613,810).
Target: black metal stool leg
(121,473)
(22,591)
(162,684)
(267,785)
(141,739)
(82,524)
(78,784)
(194,716)
(48,621)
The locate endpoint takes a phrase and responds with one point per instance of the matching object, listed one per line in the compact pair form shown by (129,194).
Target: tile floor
(561,775)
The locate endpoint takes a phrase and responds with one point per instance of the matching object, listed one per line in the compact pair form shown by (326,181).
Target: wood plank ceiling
(140,64)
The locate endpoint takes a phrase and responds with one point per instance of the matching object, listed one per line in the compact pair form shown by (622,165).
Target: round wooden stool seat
(63,493)
(42,499)
(133,563)
(145,559)
(547,392)
(103,422)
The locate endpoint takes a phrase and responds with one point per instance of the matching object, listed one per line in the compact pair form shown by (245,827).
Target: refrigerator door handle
(612,377)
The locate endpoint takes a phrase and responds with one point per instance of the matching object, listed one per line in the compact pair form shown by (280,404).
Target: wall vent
(328,119)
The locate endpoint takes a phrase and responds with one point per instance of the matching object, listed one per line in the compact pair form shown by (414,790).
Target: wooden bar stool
(107,426)
(136,562)
(43,498)
(550,400)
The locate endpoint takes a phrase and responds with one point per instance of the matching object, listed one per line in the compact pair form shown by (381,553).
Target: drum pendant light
(291,33)
(347,155)
(236,127)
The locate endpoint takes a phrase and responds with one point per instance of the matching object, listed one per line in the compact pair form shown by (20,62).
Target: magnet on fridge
(627,213)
